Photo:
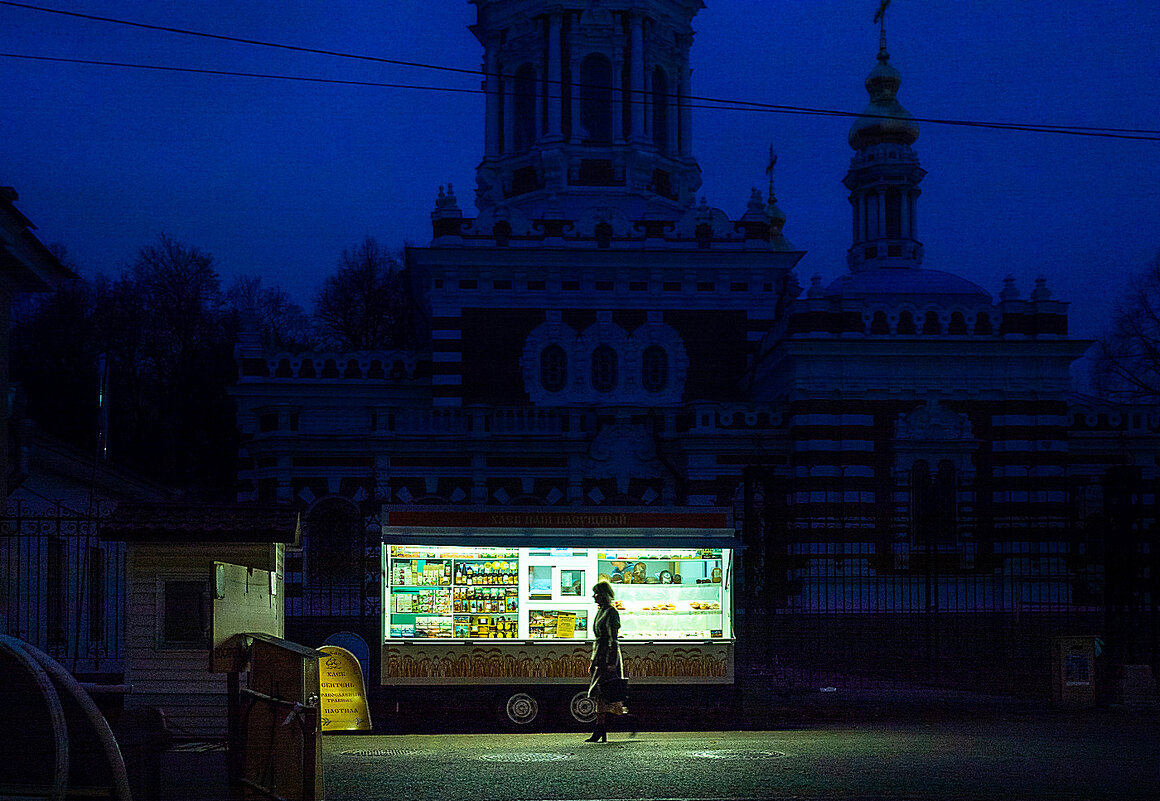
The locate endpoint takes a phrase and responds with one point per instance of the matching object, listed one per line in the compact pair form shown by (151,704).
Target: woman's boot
(601,731)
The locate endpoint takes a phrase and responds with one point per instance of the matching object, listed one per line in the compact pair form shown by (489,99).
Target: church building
(895,446)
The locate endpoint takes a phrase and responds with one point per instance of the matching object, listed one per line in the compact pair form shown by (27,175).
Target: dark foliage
(1127,364)
(281,324)
(161,335)
(367,304)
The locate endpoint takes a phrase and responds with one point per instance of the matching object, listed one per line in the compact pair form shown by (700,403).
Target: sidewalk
(841,746)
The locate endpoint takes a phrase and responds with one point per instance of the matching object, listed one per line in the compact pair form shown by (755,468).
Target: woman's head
(602,592)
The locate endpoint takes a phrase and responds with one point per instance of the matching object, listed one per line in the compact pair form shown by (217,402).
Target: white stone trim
(832,420)
(859,445)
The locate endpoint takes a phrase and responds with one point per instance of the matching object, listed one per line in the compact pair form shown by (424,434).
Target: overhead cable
(701,102)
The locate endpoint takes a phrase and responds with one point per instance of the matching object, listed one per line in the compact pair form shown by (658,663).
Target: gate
(333,581)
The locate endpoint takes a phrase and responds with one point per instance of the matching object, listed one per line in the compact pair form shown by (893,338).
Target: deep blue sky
(276,178)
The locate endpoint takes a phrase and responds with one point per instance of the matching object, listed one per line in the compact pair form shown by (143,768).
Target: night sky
(276,177)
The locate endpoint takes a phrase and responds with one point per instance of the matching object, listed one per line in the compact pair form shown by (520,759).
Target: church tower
(591,274)
(587,105)
(884,176)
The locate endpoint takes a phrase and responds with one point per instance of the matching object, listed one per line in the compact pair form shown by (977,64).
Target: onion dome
(884,119)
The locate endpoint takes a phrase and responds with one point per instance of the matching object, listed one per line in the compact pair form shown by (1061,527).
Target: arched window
(524,105)
(931,325)
(660,105)
(933,504)
(879,325)
(983,323)
(333,542)
(654,368)
(905,323)
(603,235)
(553,368)
(944,506)
(704,235)
(596,99)
(502,232)
(919,502)
(958,325)
(893,214)
(604,369)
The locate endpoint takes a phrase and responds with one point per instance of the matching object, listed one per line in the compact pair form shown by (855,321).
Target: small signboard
(566,625)
(343,695)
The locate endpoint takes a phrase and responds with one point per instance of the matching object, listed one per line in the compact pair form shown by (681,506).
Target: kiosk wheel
(521,709)
(582,708)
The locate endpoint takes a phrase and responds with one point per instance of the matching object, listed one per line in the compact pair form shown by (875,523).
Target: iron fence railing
(62,588)
(978,611)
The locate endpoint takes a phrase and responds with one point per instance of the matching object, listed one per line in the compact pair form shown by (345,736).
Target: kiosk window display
(451,593)
(481,593)
(667,595)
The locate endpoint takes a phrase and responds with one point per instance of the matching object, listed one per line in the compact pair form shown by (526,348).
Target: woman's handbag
(614,690)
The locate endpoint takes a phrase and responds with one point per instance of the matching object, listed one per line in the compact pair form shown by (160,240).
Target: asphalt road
(1094,755)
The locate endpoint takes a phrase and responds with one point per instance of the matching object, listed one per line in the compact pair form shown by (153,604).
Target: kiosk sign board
(343,697)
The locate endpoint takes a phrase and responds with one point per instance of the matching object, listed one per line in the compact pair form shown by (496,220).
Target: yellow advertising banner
(565,625)
(344,699)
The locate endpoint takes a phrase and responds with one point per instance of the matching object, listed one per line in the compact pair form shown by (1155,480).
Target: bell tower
(884,176)
(587,105)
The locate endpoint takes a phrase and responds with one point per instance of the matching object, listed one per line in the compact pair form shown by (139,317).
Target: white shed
(169,569)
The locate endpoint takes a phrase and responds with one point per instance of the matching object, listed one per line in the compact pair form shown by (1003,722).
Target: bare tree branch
(367,303)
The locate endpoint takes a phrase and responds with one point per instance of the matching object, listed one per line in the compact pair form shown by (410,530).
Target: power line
(715,105)
(235,74)
(702,101)
(239,40)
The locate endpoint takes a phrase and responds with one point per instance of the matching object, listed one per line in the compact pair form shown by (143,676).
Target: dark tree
(281,323)
(54,346)
(367,304)
(180,291)
(1127,364)
(160,332)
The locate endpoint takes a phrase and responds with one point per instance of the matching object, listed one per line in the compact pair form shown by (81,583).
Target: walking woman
(607,664)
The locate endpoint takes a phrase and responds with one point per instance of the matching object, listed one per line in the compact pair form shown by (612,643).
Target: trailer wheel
(521,709)
(582,707)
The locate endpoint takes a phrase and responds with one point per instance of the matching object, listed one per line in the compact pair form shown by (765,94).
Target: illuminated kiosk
(502,599)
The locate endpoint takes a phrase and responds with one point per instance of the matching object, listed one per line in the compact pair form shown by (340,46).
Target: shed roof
(199,522)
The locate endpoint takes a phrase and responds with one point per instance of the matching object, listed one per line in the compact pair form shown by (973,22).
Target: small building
(171,549)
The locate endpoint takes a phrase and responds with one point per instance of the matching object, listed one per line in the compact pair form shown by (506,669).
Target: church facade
(899,442)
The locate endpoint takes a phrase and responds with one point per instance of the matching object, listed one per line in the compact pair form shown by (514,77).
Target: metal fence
(333,581)
(828,604)
(820,605)
(62,588)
